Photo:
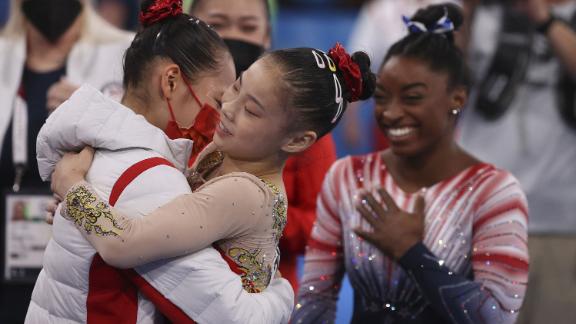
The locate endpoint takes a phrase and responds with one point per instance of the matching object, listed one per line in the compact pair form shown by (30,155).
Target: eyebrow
(225,17)
(251,96)
(414,85)
(249,18)
(218,15)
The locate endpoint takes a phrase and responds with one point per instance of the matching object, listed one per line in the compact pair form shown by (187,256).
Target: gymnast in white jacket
(175,72)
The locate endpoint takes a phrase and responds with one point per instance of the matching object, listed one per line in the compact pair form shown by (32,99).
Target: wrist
(543,25)
(403,247)
(71,182)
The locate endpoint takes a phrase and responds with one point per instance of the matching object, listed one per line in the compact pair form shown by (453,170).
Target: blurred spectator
(521,53)
(245,27)
(378,26)
(48,48)
(122,14)
(4,10)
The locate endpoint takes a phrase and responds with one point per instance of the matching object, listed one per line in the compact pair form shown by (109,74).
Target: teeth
(397,132)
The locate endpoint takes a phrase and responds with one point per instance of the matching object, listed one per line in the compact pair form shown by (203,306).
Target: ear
(299,142)
(170,79)
(459,97)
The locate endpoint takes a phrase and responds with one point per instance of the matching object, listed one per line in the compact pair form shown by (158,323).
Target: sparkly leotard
(472,266)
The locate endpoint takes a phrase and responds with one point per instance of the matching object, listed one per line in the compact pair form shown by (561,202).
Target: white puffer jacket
(201,286)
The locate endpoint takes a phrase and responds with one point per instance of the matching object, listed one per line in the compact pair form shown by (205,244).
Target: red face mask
(201,132)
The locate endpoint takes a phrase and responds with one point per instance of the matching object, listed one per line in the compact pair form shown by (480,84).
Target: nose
(389,114)
(227,111)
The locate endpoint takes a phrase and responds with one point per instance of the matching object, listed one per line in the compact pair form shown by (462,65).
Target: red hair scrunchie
(350,71)
(160,10)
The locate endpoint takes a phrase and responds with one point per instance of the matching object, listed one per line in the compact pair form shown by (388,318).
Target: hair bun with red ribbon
(159,10)
(350,71)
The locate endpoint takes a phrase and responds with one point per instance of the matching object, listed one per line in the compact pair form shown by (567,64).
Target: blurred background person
(245,26)
(122,14)
(47,49)
(522,118)
(445,242)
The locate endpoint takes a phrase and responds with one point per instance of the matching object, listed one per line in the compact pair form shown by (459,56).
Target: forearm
(127,242)
(464,34)
(454,297)
(563,40)
(320,285)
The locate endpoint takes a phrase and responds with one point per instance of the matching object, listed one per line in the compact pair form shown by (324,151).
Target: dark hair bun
(430,15)
(368,78)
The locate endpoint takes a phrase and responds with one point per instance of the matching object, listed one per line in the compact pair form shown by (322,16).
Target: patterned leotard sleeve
(226,208)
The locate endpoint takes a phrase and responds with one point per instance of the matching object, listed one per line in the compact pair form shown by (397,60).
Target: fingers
(367,236)
(278,275)
(51,208)
(420,205)
(367,214)
(49,218)
(58,93)
(390,204)
(374,205)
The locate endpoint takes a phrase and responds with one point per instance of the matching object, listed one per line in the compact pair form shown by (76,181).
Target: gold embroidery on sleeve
(90,213)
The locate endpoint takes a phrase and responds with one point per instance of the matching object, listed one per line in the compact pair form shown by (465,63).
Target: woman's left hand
(394,231)
(70,170)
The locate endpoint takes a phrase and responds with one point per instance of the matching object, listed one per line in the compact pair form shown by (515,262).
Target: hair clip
(444,25)
(414,27)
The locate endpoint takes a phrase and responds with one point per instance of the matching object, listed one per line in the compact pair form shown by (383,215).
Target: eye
(381,97)
(248,28)
(413,99)
(250,112)
(217,24)
(218,103)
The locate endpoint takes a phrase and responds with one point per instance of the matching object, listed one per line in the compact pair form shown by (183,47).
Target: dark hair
(436,49)
(196,4)
(313,90)
(187,41)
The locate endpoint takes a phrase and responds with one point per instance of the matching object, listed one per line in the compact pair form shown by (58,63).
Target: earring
(455,112)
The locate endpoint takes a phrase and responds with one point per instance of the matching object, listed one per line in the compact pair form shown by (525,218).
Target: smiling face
(413,105)
(255,117)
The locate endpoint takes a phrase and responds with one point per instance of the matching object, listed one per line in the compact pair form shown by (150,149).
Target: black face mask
(52,18)
(244,53)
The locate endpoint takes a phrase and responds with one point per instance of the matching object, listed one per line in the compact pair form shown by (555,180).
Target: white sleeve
(89,118)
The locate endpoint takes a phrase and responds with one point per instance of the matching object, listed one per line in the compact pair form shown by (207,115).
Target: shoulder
(354,163)
(492,178)
(237,180)
(137,174)
(238,186)
(498,189)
